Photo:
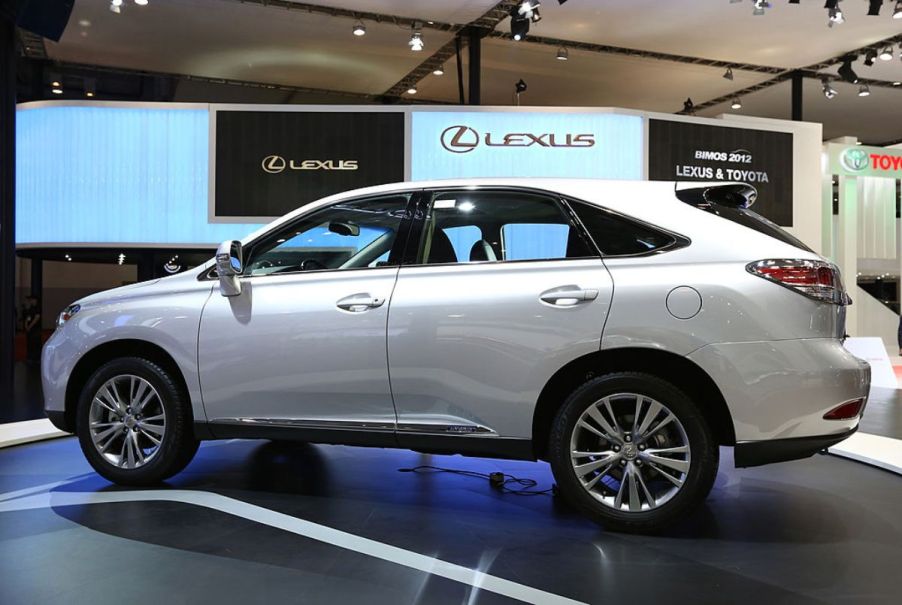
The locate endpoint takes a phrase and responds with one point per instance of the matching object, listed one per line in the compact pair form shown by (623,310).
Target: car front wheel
(632,451)
(134,422)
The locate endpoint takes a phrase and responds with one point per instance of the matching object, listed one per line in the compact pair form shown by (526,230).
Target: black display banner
(268,163)
(682,151)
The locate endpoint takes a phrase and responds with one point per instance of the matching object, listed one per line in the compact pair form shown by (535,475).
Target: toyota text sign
(454,144)
(268,163)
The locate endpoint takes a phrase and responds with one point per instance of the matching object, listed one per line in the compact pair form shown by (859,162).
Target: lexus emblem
(274,164)
(459,139)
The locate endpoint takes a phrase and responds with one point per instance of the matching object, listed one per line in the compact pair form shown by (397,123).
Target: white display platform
(872,350)
(882,452)
(15,433)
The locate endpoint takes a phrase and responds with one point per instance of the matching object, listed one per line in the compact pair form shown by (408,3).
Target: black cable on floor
(498,480)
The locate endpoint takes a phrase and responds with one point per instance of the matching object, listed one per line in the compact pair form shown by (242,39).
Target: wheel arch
(108,351)
(676,369)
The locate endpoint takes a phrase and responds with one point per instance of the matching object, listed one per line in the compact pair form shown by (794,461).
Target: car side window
(496,226)
(618,236)
(349,235)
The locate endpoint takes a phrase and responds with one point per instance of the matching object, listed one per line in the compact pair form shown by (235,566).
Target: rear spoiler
(702,195)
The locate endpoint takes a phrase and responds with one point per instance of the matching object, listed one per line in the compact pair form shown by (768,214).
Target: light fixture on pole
(519,88)
(359,29)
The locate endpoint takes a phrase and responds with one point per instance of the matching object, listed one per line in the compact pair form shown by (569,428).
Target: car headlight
(67,314)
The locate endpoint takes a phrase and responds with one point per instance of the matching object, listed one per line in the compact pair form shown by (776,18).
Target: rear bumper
(756,453)
(780,390)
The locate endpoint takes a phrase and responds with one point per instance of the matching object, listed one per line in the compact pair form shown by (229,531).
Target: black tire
(178,444)
(698,480)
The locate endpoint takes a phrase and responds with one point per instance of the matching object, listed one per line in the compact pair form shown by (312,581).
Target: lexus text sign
(683,151)
(453,144)
(268,163)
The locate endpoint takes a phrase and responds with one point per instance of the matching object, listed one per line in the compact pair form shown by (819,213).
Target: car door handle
(567,296)
(355,303)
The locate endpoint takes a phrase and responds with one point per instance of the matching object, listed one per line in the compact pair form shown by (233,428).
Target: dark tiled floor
(818,530)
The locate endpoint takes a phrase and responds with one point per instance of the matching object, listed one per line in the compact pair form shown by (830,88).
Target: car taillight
(813,278)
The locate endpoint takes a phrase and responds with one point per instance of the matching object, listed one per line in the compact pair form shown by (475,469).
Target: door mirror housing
(229,266)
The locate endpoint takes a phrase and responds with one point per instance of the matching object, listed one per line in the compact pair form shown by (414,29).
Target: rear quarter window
(619,236)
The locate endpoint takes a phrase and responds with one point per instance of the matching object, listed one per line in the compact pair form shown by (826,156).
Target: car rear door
(500,289)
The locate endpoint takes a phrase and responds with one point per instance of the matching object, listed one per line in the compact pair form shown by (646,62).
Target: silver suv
(621,331)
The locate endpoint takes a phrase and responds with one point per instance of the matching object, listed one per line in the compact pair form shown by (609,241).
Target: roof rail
(702,195)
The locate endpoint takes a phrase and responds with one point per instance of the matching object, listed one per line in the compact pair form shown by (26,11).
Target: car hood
(119,293)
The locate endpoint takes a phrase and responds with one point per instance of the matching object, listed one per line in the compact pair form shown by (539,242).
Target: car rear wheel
(134,423)
(633,452)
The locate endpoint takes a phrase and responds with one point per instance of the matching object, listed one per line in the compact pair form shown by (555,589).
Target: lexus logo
(464,139)
(459,139)
(274,164)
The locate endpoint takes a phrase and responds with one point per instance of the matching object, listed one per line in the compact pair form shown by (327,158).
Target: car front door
(303,345)
(504,290)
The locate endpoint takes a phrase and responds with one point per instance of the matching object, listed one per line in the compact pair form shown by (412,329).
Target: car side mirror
(229,266)
(349,229)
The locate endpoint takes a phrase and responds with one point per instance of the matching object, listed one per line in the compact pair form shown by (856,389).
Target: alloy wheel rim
(630,452)
(127,421)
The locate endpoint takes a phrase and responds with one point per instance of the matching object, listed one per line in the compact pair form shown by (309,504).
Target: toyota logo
(854,159)
(274,164)
(459,139)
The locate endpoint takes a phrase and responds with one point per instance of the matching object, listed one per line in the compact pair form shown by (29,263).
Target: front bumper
(756,453)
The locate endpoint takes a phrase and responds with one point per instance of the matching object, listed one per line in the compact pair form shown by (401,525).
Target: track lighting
(828,90)
(520,86)
(562,54)
(897,12)
(141,2)
(846,72)
(359,29)
(438,71)
(416,40)
(874,7)
(115,6)
(869,57)
(737,103)
(864,90)
(412,90)
(728,75)
(886,54)
(760,7)
(529,9)
(688,106)
(835,16)
(519,24)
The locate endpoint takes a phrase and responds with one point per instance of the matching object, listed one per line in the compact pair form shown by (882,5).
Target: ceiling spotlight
(438,71)
(121,258)
(520,86)
(416,41)
(688,106)
(728,75)
(869,57)
(835,17)
(519,24)
(90,87)
(359,29)
(828,90)
(114,6)
(846,72)
(886,54)
(864,90)
(874,7)
(562,54)
(737,103)
(412,90)
(760,7)
(897,83)
(529,9)
(141,2)
(897,12)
